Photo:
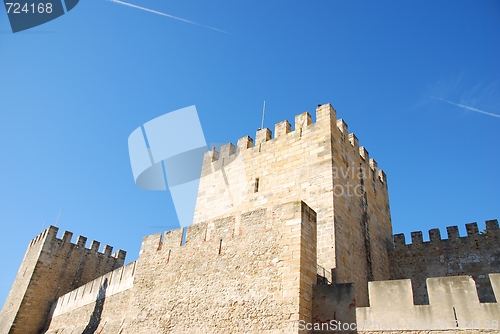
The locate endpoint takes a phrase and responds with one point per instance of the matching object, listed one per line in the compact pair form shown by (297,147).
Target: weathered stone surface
(319,163)
(51,267)
(334,302)
(249,273)
(453,305)
(256,251)
(476,255)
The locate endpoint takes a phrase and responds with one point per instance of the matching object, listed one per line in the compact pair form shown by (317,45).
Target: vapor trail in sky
(167,15)
(467,107)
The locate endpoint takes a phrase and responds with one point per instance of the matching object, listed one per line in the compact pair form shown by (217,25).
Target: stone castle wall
(321,164)
(250,263)
(105,286)
(453,306)
(476,254)
(52,267)
(363,228)
(248,273)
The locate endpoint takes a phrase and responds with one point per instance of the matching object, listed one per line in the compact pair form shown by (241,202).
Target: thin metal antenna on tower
(58,217)
(263,112)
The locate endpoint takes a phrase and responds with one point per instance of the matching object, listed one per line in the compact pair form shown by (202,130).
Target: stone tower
(52,267)
(323,165)
(282,229)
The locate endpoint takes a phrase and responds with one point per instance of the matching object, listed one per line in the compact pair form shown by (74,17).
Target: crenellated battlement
(476,254)
(56,266)
(50,234)
(209,238)
(214,279)
(453,305)
(235,236)
(105,286)
(270,211)
(283,131)
(473,235)
(313,159)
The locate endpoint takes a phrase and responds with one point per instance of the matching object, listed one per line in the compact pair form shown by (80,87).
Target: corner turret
(52,267)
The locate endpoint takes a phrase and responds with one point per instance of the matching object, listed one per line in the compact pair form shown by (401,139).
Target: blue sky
(72,91)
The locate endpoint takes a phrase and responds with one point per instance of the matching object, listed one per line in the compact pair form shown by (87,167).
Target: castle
(291,234)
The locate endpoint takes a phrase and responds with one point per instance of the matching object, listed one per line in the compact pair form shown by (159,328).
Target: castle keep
(291,234)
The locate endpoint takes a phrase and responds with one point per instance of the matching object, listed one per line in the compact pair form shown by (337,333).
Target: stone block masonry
(453,306)
(103,287)
(52,267)
(476,254)
(274,217)
(334,302)
(323,165)
(250,273)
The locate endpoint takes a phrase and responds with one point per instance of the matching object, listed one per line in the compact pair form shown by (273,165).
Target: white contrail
(467,107)
(167,15)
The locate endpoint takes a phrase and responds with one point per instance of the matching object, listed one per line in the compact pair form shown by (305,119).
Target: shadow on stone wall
(95,318)
(333,306)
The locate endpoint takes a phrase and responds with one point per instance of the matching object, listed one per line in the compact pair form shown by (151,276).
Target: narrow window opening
(220,246)
(256,185)
(168,257)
